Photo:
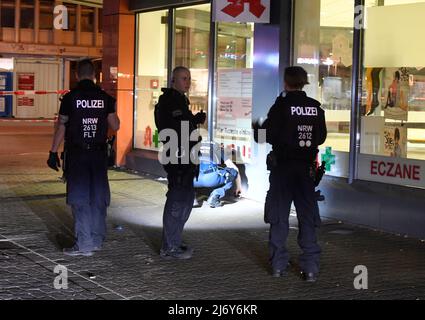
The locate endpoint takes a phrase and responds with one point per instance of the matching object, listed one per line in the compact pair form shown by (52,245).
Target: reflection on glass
(151,76)
(234,88)
(192,38)
(87,19)
(7,14)
(323,46)
(27,15)
(393,95)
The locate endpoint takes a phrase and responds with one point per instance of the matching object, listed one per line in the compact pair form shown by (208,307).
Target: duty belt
(90,146)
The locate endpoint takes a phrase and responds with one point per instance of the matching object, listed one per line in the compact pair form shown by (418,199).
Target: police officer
(295,127)
(172,114)
(85,115)
(219,172)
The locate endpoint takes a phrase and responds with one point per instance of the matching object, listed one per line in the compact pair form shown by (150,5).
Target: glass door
(191,50)
(151,75)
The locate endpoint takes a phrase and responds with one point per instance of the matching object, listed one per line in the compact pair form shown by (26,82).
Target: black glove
(200,117)
(255,127)
(53,161)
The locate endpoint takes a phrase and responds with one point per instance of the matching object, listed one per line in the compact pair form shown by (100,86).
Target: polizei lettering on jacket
(304,111)
(90,104)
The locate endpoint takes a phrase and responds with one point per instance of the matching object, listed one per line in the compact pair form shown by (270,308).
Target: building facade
(36,55)
(365,64)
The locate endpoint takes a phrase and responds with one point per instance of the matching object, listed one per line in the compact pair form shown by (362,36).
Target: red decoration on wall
(154,84)
(148,137)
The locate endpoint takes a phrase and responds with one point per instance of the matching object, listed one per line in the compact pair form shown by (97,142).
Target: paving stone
(227,264)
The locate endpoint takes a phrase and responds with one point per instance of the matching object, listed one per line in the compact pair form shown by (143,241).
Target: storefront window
(151,75)
(72,16)
(7,13)
(235,44)
(46,14)
(393,99)
(87,19)
(27,14)
(392,138)
(100,20)
(323,45)
(192,38)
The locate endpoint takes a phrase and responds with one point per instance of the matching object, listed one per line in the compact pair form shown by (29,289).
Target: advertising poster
(234,109)
(396,94)
(372,133)
(395,141)
(234,100)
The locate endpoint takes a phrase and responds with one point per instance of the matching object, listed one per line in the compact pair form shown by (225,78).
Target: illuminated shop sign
(242,11)
(392,170)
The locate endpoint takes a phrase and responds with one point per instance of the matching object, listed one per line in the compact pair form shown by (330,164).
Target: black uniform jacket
(295,127)
(87,107)
(171,111)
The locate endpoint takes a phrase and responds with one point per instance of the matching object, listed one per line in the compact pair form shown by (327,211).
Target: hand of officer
(53,161)
(256,124)
(200,117)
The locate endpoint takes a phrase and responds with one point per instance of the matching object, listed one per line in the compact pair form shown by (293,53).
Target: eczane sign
(257,11)
(399,171)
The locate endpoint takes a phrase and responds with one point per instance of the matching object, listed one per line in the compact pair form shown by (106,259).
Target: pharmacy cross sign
(156,138)
(236,7)
(329,158)
(246,11)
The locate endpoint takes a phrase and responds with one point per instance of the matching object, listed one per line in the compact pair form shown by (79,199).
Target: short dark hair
(85,69)
(177,70)
(296,77)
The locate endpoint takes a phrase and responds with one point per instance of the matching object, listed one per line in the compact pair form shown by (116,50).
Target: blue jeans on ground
(221,179)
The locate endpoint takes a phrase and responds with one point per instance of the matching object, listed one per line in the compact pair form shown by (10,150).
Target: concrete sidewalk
(230,243)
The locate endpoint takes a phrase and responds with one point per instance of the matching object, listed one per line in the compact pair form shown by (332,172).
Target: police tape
(2,120)
(32,92)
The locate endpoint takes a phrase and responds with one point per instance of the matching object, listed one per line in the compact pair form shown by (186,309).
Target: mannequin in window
(373,85)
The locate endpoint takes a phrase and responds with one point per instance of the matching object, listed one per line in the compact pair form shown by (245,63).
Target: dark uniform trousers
(290,181)
(88,195)
(180,197)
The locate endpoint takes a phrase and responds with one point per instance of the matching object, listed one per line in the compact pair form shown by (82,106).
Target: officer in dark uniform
(85,115)
(172,114)
(295,127)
